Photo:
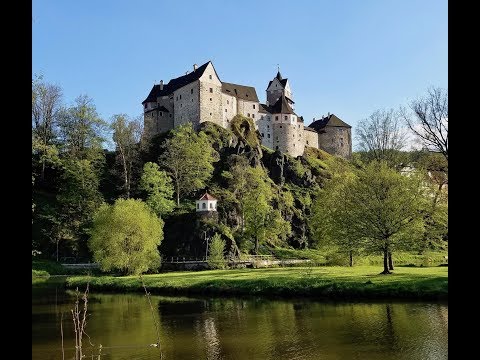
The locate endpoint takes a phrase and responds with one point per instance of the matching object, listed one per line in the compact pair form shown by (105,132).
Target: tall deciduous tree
(188,158)
(158,186)
(126,236)
(216,257)
(429,121)
(381,136)
(126,135)
(382,208)
(82,130)
(78,200)
(46,104)
(262,222)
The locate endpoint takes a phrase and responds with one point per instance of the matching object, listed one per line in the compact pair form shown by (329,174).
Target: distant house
(206,203)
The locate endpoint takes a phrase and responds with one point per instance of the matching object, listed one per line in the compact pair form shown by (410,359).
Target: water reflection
(193,328)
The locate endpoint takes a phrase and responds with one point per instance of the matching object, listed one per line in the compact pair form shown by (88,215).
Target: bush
(216,259)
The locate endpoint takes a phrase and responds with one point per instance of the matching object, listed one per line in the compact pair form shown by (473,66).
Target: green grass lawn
(362,282)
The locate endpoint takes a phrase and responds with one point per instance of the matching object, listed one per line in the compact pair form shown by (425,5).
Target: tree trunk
(57,248)
(351,258)
(385,262)
(256,245)
(390,261)
(178,192)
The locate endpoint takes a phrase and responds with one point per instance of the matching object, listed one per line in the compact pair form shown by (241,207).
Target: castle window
(210,99)
(211,90)
(191,91)
(146,106)
(228,102)
(276,147)
(254,106)
(276,118)
(307,142)
(286,117)
(210,114)
(161,113)
(204,205)
(268,136)
(176,98)
(211,205)
(268,126)
(198,206)
(192,100)
(293,145)
(225,110)
(210,77)
(293,135)
(277,138)
(280,126)
(253,116)
(180,97)
(181,105)
(263,135)
(248,114)
(170,115)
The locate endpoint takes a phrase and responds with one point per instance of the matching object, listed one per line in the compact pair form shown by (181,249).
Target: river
(236,328)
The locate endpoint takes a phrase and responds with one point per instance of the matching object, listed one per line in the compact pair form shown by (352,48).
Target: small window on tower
(161,113)
(211,90)
(225,110)
(210,77)
(253,116)
(263,135)
(286,117)
(254,106)
(210,99)
(276,118)
(268,126)
(204,205)
(180,97)
(280,126)
(228,102)
(248,114)
(268,136)
(307,142)
(191,91)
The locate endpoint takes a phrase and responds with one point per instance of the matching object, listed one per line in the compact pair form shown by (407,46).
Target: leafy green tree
(262,222)
(126,135)
(125,236)
(188,158)
(158,186)
(329,207)
(46,105)
(81,131)
(382,209)
(78,199)
(216,258)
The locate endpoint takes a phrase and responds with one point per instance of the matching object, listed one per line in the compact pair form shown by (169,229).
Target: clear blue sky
(347,57)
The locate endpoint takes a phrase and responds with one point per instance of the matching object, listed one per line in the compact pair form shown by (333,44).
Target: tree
(188,158)
(78,199)
(159,189)
(216,258)
(126,135)
(381,209)
(46,103)
(327,213)
(262,222)
(381,136)
(429,121)
(81,131)
(125,236)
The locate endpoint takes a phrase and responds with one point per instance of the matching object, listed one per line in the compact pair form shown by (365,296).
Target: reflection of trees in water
(212,342)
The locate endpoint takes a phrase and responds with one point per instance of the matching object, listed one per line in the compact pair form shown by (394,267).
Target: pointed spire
(279,76)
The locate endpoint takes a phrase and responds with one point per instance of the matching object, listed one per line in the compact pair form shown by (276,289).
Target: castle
(200,96)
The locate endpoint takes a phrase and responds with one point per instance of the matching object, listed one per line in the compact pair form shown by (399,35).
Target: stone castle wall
(186,105)
(337,141)
(311,138)
(229,109)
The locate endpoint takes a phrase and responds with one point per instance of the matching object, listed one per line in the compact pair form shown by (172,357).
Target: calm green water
(212,328)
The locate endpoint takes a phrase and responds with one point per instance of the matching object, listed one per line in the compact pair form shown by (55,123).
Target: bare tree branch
(429,120)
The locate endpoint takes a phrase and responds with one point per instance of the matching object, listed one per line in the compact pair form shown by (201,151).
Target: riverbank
(362,282)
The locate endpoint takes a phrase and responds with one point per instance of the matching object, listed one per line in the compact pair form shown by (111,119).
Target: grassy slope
(332,282)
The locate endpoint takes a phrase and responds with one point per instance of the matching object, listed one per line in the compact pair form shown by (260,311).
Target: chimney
(161,84)
(195,67)
(314,118)
(328,114)
(186,72)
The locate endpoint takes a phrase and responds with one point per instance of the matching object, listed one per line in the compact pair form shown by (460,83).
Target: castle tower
(277,88)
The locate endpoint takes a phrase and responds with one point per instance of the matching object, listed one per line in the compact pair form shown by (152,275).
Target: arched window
(204,205)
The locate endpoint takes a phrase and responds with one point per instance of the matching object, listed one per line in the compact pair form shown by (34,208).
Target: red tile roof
(207,196)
